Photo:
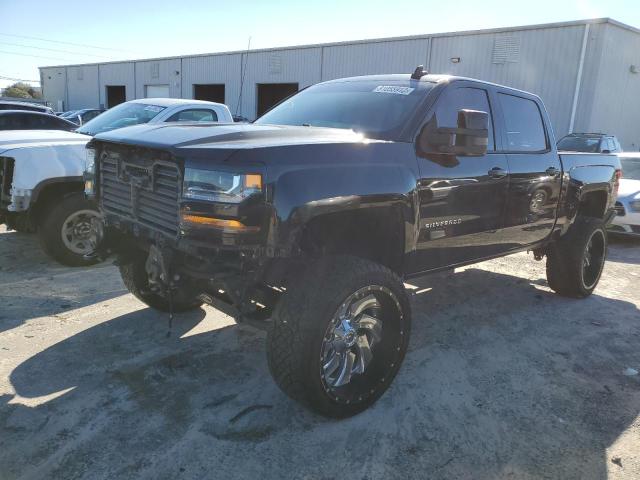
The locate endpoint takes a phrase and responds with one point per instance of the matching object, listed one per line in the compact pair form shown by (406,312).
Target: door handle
(552,171)
(497,172)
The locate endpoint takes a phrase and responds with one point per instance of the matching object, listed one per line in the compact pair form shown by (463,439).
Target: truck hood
(228,136)
(11,139)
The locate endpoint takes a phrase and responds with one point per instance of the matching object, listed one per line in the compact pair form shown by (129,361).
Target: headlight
(90,161)
(89,171)
(217,186)
(635,205)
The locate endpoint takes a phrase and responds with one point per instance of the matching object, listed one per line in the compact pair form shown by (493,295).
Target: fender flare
(40,187)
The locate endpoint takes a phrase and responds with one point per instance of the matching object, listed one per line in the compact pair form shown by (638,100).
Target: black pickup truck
(307,221)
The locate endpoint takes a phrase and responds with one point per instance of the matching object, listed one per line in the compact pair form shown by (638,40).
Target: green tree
(21,90)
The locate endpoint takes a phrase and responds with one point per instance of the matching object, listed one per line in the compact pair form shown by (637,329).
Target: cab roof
(427,78)
(169,102)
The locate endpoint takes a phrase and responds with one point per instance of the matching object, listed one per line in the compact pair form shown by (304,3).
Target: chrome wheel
(353,336)
(80,231)
(593,259)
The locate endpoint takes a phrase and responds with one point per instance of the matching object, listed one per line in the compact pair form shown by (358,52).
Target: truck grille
(620,209)
(141,187)
(6,178)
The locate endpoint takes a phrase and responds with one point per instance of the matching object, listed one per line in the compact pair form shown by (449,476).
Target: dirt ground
(503,379)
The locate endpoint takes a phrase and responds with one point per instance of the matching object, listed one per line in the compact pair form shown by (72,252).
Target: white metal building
(587,72)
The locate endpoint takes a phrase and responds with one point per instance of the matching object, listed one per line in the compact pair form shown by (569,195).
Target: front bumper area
(627,221)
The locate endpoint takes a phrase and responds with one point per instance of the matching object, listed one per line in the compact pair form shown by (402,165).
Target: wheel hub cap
(350,339)
(79,234)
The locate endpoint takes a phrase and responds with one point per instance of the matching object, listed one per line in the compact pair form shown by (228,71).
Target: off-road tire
(565,258)
(299,324)
(134,277)
(51,224)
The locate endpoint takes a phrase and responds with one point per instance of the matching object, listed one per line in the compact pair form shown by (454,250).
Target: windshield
(630,168)
(378,109)
(580,144)
(123,115)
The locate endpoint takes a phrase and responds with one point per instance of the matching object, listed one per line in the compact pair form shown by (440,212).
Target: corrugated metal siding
(374,58)
(546,63)
(83,88)
(117,74)
(301,66)
(216,69)
(616,107)
(541,59)
(159,72)
(54,84)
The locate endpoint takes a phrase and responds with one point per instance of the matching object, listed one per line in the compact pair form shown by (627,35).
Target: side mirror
(469,138)
(606,151)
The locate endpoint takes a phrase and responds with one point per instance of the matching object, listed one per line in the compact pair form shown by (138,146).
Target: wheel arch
(375,233)
(50,189)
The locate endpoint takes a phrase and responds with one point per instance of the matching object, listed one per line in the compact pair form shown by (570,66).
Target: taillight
(616,185)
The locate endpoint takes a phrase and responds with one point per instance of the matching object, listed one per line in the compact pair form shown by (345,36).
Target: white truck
(41,189)
(41,183)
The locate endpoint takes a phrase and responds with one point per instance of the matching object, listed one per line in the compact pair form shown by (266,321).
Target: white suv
(156,110)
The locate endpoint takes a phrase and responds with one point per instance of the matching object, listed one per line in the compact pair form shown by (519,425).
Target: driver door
(462,199)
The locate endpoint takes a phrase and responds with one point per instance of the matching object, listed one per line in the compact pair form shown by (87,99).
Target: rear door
(535,171)
(462,198)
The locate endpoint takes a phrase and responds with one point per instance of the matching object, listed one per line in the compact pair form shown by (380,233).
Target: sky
(59,32)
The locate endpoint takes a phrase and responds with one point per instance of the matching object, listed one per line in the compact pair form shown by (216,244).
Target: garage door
(157,91)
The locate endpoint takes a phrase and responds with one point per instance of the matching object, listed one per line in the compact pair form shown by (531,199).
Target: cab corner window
(523,122)
(194,116)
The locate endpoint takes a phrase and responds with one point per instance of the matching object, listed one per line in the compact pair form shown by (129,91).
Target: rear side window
(523,121)
(198,115)
(463,98)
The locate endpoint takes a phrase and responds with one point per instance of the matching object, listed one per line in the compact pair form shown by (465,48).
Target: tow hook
(160,278)
(539,253)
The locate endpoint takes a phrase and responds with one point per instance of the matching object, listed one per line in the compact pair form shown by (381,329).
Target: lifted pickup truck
(308,220)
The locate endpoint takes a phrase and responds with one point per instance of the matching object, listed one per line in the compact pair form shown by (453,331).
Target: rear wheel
(575,262)
(338,338)
(135,278)
(68,230)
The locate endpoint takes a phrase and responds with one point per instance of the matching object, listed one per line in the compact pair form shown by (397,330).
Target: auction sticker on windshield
(392,89)
(152,108)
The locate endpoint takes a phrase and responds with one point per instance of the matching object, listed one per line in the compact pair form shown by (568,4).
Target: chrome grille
(141,187)
(6,178)
(620,212)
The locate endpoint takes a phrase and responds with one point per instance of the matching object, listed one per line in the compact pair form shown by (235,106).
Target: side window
(89,116)
(36,121)
(195,115)
(56,124)
(25,122)
(465,98)
(525,128)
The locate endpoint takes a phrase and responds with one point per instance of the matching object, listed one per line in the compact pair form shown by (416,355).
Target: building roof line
(539,26)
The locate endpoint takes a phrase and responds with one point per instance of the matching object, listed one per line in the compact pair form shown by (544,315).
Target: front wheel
(575,262)
(338,339)
(68,230)
(135,278)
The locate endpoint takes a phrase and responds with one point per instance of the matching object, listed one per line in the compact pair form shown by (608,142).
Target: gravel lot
(503,379)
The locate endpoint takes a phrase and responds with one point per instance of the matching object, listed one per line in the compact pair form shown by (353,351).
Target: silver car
(627,220)
(156,110)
